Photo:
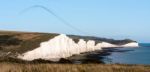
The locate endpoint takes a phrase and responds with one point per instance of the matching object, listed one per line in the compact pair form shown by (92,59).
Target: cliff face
(100,39)
(50,46)
(62,46)
(132,44)
(109,45)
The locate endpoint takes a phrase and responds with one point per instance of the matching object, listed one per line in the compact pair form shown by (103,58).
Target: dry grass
(14,67)
(25,41)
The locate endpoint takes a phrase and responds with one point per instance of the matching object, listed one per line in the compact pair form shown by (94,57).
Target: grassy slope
(13,67)
(26,41)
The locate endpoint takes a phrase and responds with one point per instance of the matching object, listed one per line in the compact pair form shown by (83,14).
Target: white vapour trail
(58,17)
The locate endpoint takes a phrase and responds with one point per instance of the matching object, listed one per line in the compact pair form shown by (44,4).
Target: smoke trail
(58,17)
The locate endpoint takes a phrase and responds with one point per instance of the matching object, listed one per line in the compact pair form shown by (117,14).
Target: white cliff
(59,47)
(62,46)
(107,45)
(132,44)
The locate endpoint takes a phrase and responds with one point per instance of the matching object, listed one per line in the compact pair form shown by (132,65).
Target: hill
(24,41)
(14,43)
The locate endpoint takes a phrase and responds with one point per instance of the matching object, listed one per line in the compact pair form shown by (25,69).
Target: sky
(118,19)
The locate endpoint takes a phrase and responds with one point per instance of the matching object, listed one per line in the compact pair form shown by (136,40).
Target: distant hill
(99,39)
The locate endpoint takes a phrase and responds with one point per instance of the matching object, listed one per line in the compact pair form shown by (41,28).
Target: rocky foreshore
(83,58)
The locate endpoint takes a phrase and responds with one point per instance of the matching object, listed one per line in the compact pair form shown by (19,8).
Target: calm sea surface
(139,55)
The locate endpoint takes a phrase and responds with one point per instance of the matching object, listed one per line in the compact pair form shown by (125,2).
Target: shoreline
(95,56)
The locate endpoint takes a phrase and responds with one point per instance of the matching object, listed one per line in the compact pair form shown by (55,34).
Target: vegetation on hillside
(20,42)
(99,39)
(14,67)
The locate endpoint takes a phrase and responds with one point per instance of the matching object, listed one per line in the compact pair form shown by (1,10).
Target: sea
(139,55)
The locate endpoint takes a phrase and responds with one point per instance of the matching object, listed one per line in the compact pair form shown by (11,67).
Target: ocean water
(140,55)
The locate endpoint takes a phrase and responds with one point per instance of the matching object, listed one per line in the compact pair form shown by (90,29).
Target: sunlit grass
(15,67)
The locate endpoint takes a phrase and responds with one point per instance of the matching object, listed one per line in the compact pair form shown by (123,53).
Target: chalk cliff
(63,46)
(59,47)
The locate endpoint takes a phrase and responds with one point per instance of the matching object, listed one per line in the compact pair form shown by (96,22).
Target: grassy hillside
(14,67)
(20,42)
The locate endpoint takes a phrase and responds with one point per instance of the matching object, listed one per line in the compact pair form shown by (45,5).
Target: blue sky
(117,19)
